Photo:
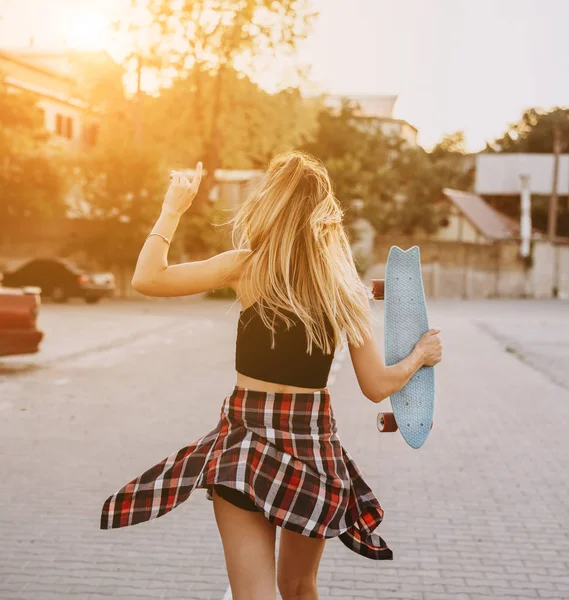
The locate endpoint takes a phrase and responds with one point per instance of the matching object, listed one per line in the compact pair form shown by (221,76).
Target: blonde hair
(300,258)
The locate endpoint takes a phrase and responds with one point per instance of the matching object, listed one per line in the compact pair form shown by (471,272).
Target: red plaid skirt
(282,451)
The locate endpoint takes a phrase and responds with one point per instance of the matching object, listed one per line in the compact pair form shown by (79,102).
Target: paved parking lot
(481,511)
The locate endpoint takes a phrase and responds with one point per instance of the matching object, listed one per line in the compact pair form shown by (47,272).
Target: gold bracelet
(160,235)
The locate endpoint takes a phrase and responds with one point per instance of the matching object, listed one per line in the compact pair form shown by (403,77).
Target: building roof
(62,61)
(487,220)
(45,92)
(28,62)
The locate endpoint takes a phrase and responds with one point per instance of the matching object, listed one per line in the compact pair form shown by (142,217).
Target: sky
(471,65)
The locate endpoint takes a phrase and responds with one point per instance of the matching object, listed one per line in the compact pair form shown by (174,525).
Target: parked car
(61,280)
(18,313)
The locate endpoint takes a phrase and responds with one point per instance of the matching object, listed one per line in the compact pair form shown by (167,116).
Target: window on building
(64,126)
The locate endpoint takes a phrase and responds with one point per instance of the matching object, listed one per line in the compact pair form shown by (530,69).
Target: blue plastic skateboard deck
(405,322)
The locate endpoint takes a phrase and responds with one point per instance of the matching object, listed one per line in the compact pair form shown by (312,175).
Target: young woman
(274,458)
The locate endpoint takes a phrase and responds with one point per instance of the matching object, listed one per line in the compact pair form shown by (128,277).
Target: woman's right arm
(376,380)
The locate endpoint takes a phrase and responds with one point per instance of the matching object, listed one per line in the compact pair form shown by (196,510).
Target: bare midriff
(269,386)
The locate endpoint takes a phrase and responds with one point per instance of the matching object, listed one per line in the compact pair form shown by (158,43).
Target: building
(472,220)
(503,174)
(51,78)
(521,185)
(378,110)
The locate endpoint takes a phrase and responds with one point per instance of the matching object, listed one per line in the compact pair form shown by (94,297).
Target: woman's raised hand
(181,192)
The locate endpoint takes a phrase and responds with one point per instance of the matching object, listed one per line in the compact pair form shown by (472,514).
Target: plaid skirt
(282,451)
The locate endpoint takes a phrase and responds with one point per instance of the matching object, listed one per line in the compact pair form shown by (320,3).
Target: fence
(450,269)
(469,270)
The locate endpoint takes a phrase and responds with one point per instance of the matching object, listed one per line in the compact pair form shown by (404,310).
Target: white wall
(500,173)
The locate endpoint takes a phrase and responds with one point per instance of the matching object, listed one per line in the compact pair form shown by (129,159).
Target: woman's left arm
(153,276)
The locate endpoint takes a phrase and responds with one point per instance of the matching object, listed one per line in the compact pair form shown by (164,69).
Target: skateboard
(405,320)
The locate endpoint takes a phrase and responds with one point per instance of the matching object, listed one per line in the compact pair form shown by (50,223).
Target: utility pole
(552,220)
(138,101)
(135,36)
(553,202)
(525,225)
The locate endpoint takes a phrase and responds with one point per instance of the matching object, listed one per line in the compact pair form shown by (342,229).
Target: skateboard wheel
(378,289)
(386,422)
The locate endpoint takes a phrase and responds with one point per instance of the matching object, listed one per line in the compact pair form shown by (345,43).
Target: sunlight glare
(87,30)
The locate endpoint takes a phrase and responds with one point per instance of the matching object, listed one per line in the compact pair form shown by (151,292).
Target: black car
(61,280)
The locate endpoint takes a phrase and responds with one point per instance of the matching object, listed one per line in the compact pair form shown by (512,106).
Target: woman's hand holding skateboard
(431,347)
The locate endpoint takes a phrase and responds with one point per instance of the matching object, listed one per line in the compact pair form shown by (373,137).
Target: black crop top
(288,362)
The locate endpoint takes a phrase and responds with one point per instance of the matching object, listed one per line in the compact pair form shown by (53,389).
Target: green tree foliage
(120,188)
(98,79)
(254,125)
(533,132)
(452,164)
(399,184)
(119,185)
(203,42)
(31,183)
(450,143)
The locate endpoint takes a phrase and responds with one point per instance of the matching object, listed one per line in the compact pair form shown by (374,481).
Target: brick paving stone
(479,512)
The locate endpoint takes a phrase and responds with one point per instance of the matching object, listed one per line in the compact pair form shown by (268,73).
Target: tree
(454,166)
(450,143)
(119,187)
(31,183)
(400,184)
(256,125)
(533,132)
(203,42)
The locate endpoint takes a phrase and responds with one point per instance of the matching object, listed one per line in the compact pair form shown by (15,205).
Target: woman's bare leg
(249,546)
(299,558)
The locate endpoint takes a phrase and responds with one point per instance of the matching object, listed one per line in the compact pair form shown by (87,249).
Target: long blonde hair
(300,258)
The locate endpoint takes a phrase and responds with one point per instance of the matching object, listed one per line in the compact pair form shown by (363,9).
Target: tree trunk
(212,146)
